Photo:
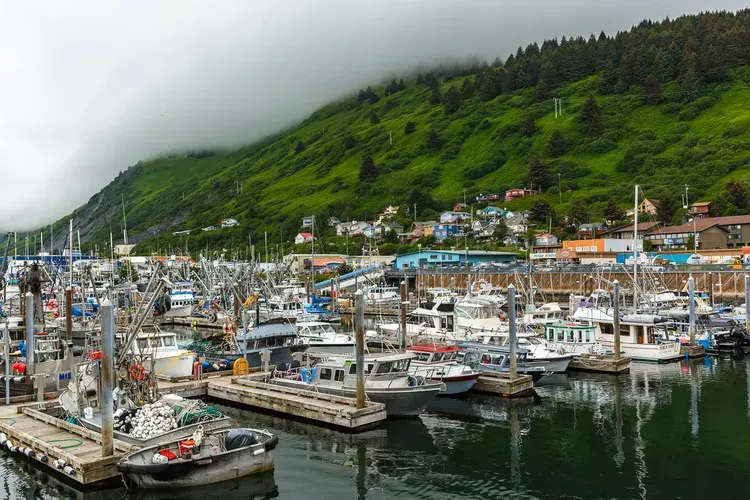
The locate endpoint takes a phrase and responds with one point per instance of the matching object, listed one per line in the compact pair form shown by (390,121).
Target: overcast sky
(90,87)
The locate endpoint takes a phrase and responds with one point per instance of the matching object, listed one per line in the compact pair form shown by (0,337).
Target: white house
(302,238)
(454,217)
(230,222)
(353,228)
(517,224)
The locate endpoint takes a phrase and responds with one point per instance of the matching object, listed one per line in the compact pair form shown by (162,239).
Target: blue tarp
(76,311)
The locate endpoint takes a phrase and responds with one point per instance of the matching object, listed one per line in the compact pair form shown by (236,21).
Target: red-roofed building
(701,209)
(302,238)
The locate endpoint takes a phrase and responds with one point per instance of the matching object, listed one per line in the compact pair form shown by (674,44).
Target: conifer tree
(452,100)
(368,172)
(557,146)
(591,116)
(651,91)
(539,172)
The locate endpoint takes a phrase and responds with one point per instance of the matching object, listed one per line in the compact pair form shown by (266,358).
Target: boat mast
(635,250)
(312,256)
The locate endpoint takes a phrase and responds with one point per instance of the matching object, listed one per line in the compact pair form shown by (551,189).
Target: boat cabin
(432,354)
(569,332)
(339,370)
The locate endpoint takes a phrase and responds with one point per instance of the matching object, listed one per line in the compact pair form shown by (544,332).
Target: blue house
(430,259)
(443,231)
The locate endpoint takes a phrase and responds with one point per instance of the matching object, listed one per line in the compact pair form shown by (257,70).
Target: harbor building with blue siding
(428,259)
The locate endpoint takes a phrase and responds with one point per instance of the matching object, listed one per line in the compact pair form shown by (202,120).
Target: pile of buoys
(19,367)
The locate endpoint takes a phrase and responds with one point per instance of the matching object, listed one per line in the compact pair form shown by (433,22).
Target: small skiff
(218,456)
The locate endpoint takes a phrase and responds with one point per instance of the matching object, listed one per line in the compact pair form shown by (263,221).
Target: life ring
(137,372)
(372,296)
(298,300)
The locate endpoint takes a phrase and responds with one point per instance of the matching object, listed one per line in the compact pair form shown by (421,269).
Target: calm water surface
(669,431)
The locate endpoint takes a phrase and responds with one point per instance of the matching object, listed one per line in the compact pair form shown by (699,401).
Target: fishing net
(193,411)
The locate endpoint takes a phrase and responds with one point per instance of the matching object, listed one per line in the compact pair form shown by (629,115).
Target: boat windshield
(474,312)
(398,366)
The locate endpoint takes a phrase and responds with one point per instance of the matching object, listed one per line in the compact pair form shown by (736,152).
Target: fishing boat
(387,380)
(572,337)
(539,354)
(320,337)
(478,314)
(494,294)
(496,358)
(161,349)
(432,319)
(550,311)
(217,456)
(181,299)
(438,362)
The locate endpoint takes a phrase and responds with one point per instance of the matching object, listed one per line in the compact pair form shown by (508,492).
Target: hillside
(669,108)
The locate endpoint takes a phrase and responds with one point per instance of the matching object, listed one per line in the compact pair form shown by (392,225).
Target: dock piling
(108,374)
(360,331)
(6,357)
(691,303)
(29,333)
(404,305)
(512,330)
(616,302)
(69,314)
(747,301)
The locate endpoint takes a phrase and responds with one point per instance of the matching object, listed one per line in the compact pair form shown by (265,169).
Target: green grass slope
(483,150)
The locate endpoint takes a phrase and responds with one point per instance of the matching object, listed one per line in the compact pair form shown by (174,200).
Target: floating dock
(502,384)
(28,426)
(600,363)
(322,408)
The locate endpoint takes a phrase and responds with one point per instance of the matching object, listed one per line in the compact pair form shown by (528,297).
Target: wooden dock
(27,425)
(502,384)
(322,408)
(600,363)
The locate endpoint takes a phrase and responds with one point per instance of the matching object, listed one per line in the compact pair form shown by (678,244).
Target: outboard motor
(239,438)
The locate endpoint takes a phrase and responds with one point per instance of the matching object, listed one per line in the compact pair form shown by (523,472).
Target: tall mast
(70,251)
(312,254)
(124,222)
(635,249)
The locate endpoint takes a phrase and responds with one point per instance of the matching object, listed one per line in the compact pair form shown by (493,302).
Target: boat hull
(650,353)
(179,312)
(458,385)
(237,465)
(178,365)
(558,364)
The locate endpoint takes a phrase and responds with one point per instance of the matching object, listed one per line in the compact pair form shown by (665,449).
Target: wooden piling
(360,332)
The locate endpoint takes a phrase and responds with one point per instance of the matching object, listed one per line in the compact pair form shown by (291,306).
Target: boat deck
(26,425)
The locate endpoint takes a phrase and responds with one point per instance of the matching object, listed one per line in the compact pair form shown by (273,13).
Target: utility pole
(390,138)
(558,107)
(559,185)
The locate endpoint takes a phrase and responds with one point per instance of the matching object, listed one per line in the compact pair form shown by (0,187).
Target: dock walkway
(319,407)
(27,426)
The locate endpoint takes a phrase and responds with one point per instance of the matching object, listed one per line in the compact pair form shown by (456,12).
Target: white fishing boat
(181,299)
(478,314)
(381,294)
(434,320)
(550,311)
(387,380)
(168,358)
(320,337)
(495,294)
(438,362)
(539,354)
(643,337)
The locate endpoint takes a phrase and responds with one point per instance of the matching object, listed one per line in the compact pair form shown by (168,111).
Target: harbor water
(679,430)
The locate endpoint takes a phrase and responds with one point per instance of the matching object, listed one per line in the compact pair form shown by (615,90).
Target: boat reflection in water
(600,435)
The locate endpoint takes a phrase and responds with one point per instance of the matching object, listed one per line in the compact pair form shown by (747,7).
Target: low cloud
(89,88)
